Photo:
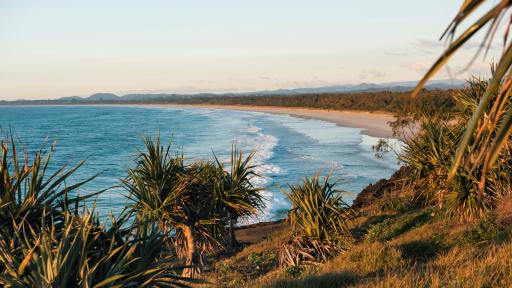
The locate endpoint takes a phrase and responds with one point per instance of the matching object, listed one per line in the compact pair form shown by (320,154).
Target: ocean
(287,148)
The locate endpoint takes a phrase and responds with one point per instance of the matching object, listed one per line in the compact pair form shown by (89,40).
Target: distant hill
(363,87)
(348,88)
(367,87)
(71,98)
(102,97)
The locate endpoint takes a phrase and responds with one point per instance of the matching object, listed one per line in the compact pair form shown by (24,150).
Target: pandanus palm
(319,219)
(27,194)
(45,241)
(429,152)
(488,130)
(238,196)
(181,198)
(83,254)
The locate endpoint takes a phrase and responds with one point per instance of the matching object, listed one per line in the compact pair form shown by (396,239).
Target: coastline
(373,123)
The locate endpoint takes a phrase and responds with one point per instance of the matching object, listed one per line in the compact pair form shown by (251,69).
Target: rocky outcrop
(375,191)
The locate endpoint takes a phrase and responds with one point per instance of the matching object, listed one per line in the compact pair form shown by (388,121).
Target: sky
(51,49)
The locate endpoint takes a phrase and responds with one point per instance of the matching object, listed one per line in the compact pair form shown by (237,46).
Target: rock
(375,191)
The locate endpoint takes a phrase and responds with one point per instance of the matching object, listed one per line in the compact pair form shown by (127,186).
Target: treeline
(428,101)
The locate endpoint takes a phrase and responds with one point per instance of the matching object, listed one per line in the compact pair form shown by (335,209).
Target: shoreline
(373,124)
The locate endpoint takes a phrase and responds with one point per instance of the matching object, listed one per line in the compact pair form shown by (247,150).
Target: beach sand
(373,123)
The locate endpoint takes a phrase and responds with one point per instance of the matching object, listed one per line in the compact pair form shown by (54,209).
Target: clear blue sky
(50,49)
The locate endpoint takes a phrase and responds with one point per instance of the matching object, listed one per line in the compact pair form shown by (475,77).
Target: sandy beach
(373,124)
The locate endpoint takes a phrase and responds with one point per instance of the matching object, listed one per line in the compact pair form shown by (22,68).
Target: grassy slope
(414,248)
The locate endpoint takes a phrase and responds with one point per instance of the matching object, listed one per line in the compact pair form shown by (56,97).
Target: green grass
(484,230)
(416,248)
(391,228)
(264,258)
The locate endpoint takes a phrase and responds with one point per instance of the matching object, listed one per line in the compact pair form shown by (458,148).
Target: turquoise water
(287,148)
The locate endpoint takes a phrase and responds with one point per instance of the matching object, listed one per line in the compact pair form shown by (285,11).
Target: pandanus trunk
(192,257)
(232,236)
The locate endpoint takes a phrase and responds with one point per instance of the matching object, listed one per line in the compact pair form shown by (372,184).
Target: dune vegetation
(418,229)
(443,220)
(180,213)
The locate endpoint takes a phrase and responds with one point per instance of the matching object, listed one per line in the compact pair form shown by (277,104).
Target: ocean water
(287,148)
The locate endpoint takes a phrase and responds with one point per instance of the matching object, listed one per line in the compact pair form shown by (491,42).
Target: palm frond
(488,130)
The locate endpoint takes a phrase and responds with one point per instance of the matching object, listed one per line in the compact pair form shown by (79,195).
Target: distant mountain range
(363,87)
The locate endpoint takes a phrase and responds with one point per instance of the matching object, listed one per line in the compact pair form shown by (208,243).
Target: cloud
(371,74)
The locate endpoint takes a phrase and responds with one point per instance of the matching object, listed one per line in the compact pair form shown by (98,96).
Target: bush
(393,202)
(473,188)
(319,218)
(263,258)
(380,231)
(293,271)
(47,241)
(483,231)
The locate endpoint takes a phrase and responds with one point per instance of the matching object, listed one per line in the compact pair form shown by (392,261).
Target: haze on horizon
(61,48)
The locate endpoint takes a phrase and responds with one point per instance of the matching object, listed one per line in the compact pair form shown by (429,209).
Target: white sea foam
(320,131)
(263,146)
(253,139)
(202,111)
(252,129)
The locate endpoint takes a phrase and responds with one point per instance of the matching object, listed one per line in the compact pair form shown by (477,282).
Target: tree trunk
(192,260)
(232,236)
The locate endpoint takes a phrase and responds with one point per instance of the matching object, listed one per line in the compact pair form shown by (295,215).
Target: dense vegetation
(48,238)
(180,214)
(392,247)
(420,229)
(192,203)
(446,221)
(182,218)
(428,101)
(490,125)
(475,188)
(180,226)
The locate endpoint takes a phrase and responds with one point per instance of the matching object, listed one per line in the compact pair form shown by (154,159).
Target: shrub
(394,202)
(46,241)
(192,203)
(484,230)
(262,258)
(293,271)
(380,231)
(470,189)
(319,219)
